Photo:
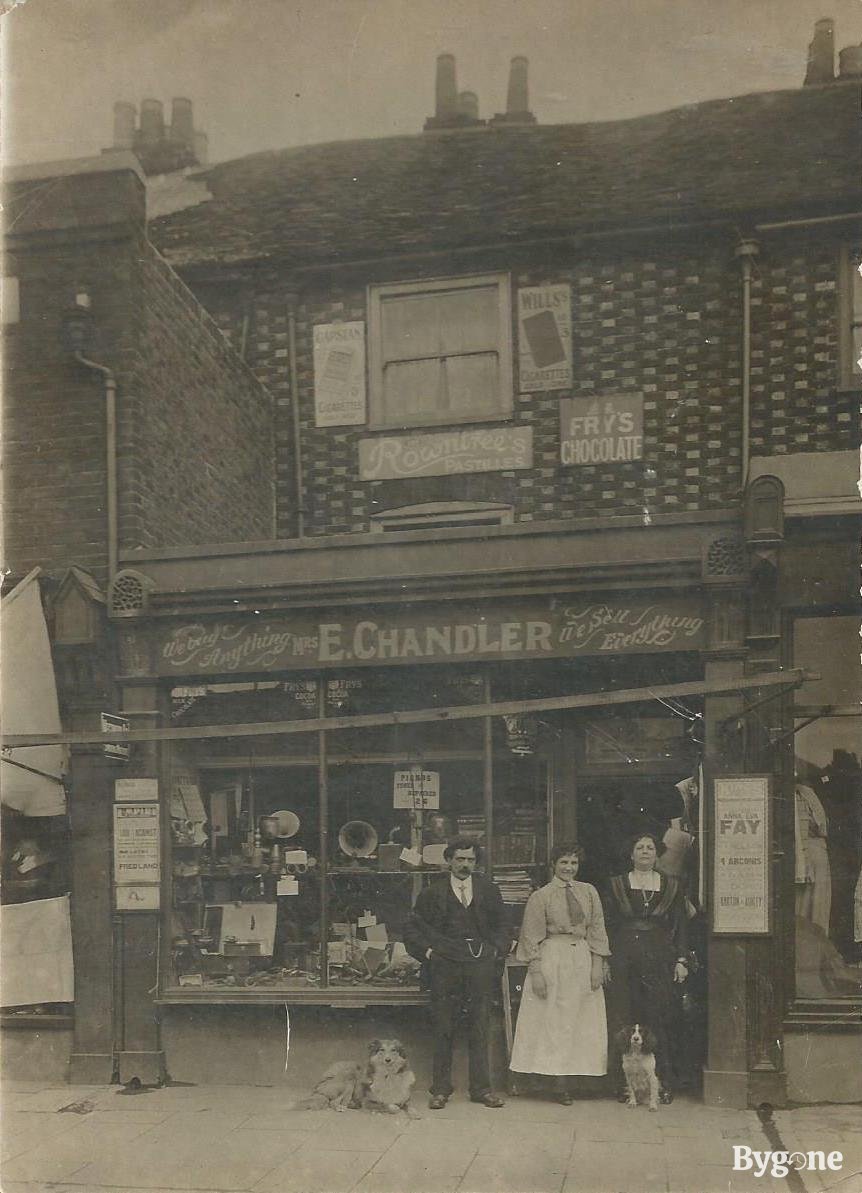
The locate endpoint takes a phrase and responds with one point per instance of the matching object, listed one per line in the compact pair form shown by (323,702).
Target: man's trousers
(457,984)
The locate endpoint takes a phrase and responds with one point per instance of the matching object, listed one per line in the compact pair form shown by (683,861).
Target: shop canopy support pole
(323,861)
(460,712)
(488,779)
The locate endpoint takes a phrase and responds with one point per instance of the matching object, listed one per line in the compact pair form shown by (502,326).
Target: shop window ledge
(333,997)
(837,1014)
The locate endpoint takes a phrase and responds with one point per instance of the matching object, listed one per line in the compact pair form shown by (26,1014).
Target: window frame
(378,293)
(848,318)
(442,515)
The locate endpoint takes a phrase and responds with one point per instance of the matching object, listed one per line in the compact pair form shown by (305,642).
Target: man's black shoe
(437,1101)
(489,1099)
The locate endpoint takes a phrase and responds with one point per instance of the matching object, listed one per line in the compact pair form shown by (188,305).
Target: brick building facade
(449,562)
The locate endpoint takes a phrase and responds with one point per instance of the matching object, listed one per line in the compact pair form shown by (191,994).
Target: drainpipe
(110,383)
(746,251)
(294,407)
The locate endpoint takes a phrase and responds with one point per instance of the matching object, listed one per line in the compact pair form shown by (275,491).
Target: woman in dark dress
(646,918)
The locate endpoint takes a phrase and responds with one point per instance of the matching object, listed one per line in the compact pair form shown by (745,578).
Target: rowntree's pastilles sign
(496,449)
(533,629)
(603,430)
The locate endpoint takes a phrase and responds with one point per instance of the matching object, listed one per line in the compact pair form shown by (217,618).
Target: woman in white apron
(562,1027)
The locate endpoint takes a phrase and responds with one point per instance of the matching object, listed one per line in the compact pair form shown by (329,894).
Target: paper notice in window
(411,856)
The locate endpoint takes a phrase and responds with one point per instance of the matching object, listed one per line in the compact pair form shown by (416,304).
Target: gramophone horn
(357,838)
(288,823)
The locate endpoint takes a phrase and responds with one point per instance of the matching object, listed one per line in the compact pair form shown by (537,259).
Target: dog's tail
(315,1102)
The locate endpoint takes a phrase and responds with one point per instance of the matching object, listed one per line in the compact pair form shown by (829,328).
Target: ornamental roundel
(129,594)
(726,557)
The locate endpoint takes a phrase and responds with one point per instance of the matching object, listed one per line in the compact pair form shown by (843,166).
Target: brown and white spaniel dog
(637,1047)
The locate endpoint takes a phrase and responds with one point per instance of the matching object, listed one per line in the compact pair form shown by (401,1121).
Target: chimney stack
(821,54)
(160,150)
(517,96)
(182,124)
(850,62)
(124,125)
(152,121)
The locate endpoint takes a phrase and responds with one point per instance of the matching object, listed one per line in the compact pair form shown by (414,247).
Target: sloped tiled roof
(775,153)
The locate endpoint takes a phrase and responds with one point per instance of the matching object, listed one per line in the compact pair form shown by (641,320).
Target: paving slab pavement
(248,1139)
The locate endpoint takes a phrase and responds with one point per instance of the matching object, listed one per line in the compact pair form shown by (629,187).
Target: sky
(268,74)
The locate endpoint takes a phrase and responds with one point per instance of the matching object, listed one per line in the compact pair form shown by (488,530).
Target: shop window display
(258,906)
(828,813)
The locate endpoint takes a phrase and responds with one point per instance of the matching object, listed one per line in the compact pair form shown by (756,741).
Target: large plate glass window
(828,811)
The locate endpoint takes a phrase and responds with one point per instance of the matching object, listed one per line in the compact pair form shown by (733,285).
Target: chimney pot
(152,121)
(468,105)
(201,148)
(124,125)
(517,101)
(850,62)
(821,53)
(446,90)
(182,124)
(517,97)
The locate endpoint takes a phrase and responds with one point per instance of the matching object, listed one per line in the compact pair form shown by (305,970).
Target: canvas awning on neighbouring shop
(31,781)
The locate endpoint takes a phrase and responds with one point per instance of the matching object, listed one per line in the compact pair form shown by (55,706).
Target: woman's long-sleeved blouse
(547,914)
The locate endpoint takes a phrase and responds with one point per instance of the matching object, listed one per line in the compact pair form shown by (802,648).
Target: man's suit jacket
(425,928)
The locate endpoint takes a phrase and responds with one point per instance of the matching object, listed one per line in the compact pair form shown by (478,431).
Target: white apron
(565,1033)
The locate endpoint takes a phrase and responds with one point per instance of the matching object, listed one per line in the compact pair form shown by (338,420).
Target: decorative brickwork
(662,322)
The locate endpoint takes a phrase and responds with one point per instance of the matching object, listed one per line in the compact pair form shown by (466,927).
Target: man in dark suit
(458,928)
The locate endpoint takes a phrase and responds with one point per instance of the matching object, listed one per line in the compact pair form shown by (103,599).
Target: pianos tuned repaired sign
(604,430)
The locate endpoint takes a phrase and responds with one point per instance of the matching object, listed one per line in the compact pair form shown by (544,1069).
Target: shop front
(316,764)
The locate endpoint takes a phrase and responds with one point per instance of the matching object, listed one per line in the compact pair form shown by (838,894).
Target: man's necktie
(576,914)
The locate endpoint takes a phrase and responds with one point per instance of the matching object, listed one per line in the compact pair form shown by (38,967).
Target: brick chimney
(517,97)
(821,54)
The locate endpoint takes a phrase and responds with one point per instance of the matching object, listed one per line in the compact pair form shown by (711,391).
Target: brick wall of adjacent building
(664,322)
(195,426)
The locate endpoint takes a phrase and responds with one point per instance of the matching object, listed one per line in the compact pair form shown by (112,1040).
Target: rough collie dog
(637,1048)
(384,1083)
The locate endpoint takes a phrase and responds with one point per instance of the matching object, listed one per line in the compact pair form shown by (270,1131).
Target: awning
(32,784)
(789,678)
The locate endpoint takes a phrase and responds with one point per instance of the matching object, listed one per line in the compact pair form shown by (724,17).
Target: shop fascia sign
(544,628)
